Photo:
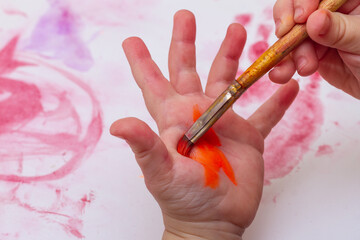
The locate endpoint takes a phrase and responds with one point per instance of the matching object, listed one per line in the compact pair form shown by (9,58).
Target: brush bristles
(184,146)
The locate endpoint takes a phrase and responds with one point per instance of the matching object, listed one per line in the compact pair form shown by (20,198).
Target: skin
(190,209)
(333,48)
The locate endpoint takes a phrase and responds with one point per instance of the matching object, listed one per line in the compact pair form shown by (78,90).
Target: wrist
(211,230)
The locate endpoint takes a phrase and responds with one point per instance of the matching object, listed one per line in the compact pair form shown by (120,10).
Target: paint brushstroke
(57,35)
(44,137)
(207,153)
(24,104)
(292,138)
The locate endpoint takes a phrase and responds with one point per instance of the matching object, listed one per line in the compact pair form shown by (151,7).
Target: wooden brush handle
(281,48)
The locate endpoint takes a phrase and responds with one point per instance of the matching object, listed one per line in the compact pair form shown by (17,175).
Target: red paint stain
(264,31)
(7,62)
(257,49)
(207,153)
(24,105)
(300,127)
(258,92)
(293,136)
(324,150)
(62,210)
(34,138)
(243,19)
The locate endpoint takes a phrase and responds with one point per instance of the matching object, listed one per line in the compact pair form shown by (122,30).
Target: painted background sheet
(64,79)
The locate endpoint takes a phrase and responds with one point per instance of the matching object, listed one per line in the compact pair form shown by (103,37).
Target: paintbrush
(262,65)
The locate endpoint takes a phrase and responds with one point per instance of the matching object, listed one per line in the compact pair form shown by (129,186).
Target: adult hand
(190,209)
(333,48)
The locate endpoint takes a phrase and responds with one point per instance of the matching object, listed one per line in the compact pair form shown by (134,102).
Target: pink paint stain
(57,35)
(324,150)
(257,49)
(15,12)
(258,92)
(293,136)
(35,138)
(268,13)
(264,31)
(243,19)
(61,210)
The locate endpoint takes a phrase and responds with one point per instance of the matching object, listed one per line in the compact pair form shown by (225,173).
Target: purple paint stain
(57,35)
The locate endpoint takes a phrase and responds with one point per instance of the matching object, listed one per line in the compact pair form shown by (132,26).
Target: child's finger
(225,65)
(154,86)
(182,61)
(271,112)
(150,152)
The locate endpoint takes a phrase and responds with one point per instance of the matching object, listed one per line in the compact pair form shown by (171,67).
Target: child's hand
(177,182)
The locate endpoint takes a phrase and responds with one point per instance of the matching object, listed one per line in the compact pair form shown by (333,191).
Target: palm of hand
(242,144)
(177,182)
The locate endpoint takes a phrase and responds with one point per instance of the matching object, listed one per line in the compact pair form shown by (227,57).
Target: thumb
(335,30)
(150,151)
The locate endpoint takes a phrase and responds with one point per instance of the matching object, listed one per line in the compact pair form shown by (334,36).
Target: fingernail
(301,63)
(299,11)
(324,19)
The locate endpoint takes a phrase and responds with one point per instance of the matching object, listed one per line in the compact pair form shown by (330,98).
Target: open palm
(177,182)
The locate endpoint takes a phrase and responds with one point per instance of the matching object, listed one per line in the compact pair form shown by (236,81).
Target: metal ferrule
(215,111)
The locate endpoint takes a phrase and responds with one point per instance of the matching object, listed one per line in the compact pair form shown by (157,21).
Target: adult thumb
(335,30)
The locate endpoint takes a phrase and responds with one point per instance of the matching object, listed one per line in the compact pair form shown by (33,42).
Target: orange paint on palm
(207,153)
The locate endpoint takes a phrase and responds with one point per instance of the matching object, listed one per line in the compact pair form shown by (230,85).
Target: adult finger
(154,86)
(283,71)
(303,9)
(305,58)
(351,7)
(333,70)
(335,30)
(283,14)
(271,112)
(225,65)
(150,152)
(182,61)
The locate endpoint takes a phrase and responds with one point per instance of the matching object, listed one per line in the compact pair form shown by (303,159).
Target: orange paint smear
(207,153)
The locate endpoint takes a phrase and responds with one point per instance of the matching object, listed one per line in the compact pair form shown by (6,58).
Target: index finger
(289,12)
(154,86)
